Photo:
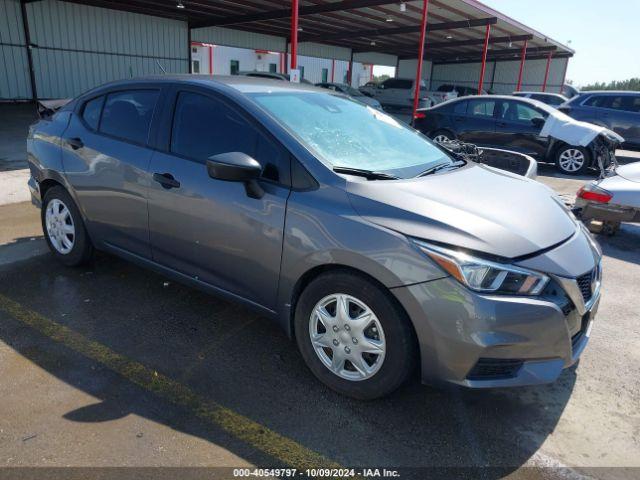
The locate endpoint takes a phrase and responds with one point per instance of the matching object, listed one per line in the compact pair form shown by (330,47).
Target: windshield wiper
(442,166)
(368,174)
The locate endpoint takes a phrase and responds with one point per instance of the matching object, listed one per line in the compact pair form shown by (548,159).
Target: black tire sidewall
(446,133)
(582,170)
(82,248)
(399,337)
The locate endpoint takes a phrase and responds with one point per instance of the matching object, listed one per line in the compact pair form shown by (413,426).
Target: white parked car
(397,93)
(603,204)
(351,92)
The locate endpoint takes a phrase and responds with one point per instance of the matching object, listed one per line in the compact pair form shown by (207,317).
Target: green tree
(631,84)
(380,79)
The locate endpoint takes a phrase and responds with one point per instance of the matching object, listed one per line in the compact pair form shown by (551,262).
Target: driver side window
(519,112)
(204,126)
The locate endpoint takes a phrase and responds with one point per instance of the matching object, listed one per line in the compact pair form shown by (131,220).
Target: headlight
(485,276)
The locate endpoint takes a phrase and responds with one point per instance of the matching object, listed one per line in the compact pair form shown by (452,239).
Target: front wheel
(353,336)
(572,160)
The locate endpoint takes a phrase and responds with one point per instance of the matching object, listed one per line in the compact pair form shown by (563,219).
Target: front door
(210,229)
(106,160)
(518,128)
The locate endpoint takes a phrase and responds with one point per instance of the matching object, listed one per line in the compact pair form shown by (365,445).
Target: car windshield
(344,133)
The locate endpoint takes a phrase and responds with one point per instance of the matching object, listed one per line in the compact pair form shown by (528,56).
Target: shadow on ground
(231,356)
(624,245)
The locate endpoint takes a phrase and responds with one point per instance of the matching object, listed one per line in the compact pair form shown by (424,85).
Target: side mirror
(538,122)
(237,167)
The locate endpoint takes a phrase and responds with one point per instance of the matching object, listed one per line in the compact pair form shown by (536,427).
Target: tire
(572,160)
(388,333)
(64,228)
(442,135)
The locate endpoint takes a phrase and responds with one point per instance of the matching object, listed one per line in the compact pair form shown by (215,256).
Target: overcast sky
(605,34)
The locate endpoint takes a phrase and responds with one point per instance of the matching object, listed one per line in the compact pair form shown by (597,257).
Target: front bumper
(483,341)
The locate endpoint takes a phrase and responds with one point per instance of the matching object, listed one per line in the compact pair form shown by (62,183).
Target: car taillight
(594,193)
(420,115)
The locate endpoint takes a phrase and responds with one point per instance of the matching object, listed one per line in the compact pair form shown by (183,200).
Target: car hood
(630,172)
(475,207)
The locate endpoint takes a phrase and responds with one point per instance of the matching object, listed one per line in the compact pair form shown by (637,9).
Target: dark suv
(618,111)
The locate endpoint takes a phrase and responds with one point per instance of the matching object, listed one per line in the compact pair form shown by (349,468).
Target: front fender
(322,229)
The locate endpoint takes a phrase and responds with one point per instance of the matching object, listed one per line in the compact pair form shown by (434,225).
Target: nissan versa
(378,251)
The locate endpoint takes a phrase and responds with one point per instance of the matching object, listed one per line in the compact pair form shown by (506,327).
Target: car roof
(241,83)
(551,94)
(535,103)
(609,92)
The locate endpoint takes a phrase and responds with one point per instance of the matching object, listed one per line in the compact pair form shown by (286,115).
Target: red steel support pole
(210,59)
(423,35)
(333,68)
(546,73)
(524,57)
(483,69)
(294,34)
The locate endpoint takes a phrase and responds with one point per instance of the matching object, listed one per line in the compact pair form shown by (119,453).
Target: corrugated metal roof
(456,27)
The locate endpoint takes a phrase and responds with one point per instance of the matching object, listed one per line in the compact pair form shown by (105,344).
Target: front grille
(495,369)
(584,283)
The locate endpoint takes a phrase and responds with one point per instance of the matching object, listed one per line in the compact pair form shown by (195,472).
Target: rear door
(517,130)
(621,113)
(479,124)
(209,229)
(106,159)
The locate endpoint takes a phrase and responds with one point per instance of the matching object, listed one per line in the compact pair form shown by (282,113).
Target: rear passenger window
(628,103)
(91,112)
(127,115)
(481,108)
(634,104)
(597,101)
(203,126)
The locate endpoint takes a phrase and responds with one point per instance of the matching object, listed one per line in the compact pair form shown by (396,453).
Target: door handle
(502,124)
(166,180)
(74,143)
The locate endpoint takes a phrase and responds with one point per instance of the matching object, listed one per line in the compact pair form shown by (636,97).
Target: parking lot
(111,365)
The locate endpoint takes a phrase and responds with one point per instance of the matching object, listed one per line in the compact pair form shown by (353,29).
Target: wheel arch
(561,144)
(319,270)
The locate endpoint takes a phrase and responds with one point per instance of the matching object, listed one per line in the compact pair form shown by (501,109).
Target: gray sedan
(377,250)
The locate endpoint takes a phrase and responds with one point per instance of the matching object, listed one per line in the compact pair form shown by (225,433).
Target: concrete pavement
(65,404)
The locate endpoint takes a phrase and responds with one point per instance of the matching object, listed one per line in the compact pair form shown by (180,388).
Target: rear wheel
(353,336)
(64,229)
(442,136)
(572,160)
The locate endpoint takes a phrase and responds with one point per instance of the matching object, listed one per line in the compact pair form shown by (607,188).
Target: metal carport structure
(461,35)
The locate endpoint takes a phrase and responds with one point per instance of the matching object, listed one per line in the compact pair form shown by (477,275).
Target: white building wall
(313,67)
(250,60)
(407,69)
(505,79)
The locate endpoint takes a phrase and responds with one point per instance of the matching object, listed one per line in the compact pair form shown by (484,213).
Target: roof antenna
(161,67)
